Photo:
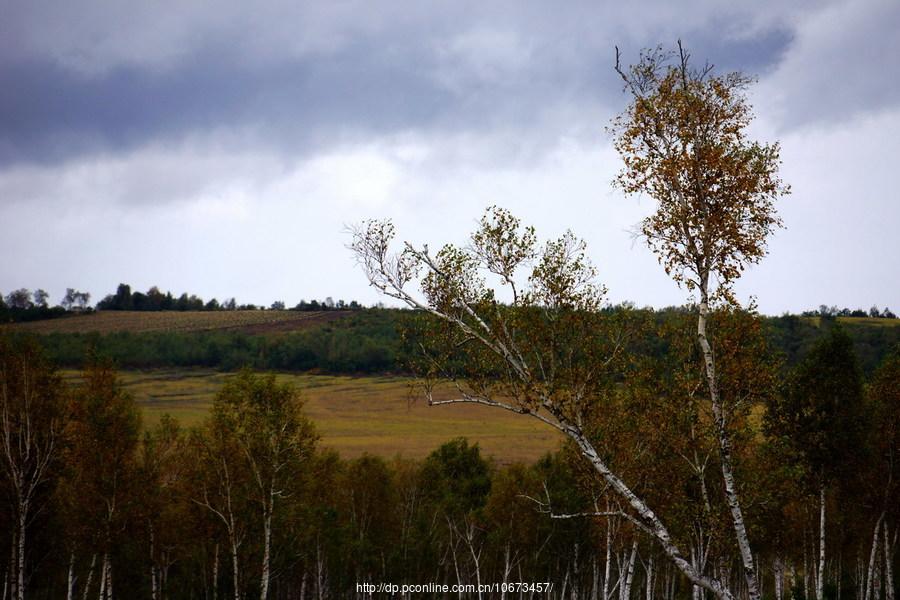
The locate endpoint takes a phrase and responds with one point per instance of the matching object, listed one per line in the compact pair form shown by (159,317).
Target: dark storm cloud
(394,79)
(50,114)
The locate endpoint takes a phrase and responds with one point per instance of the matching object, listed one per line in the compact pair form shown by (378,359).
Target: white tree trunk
(215,572)
(235,570)
(870,572)
(20,554)
(267,543)
(721,422)
(650,578)
(109,582)
(90,577)
(608,567)
(888,563)
(154,581)
(476,556)
(103,568)
(625,590)
(653,525)
(70,578)
(778,569)
(576,579)
(820,576)
(506,569)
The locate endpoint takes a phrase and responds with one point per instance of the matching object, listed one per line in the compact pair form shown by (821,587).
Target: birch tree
(547,352)
(275,439)
(821,416)
(220,483)
(162,473)
(103,435)
(31,422)
(884,487)
(683,140)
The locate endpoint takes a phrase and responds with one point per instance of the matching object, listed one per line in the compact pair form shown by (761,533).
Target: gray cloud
(211,146)
(305,77)
(840,65)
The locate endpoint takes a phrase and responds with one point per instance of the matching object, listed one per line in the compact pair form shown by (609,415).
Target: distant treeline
(24,305)
(371,341)
(154,300)
(365,342)
(833,311)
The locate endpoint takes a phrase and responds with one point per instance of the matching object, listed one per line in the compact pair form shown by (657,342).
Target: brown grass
(357,415)
(109,321)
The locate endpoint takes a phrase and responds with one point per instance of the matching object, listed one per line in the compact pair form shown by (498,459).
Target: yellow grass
(356,415)
(141,321)
(817,321)
(869,321)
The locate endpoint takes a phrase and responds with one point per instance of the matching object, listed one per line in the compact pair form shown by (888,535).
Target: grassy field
(356,415)
(109,321)
(867,321)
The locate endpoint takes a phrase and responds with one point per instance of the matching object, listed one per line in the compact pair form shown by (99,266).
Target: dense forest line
(248,505)
(372,341)
(24,305)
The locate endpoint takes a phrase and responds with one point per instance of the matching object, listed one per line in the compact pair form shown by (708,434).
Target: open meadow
(355,415)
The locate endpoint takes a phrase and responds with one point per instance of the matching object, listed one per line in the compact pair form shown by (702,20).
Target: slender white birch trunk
(870,572)
(109,582)
(629,573)
(154,582)
(215,572)
(20,554)
(476,557)
(876,582)
(103,568)
(70,578)
(778,569)
(608,566)
(820,576)
(236,570)
(721,422)
(267,543)
(888,563)
(650,578)
(654,526)
(576,576)
(506,569)
(90,577)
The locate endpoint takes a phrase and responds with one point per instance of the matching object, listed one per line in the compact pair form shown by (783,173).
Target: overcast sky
(221,147)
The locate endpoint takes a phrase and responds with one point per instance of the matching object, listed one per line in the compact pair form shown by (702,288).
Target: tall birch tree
(548,351)
(31,422)
(103,435)
(275,439)
(683,140)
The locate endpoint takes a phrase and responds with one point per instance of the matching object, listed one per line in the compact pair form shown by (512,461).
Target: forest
(248,505)
(372,341)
